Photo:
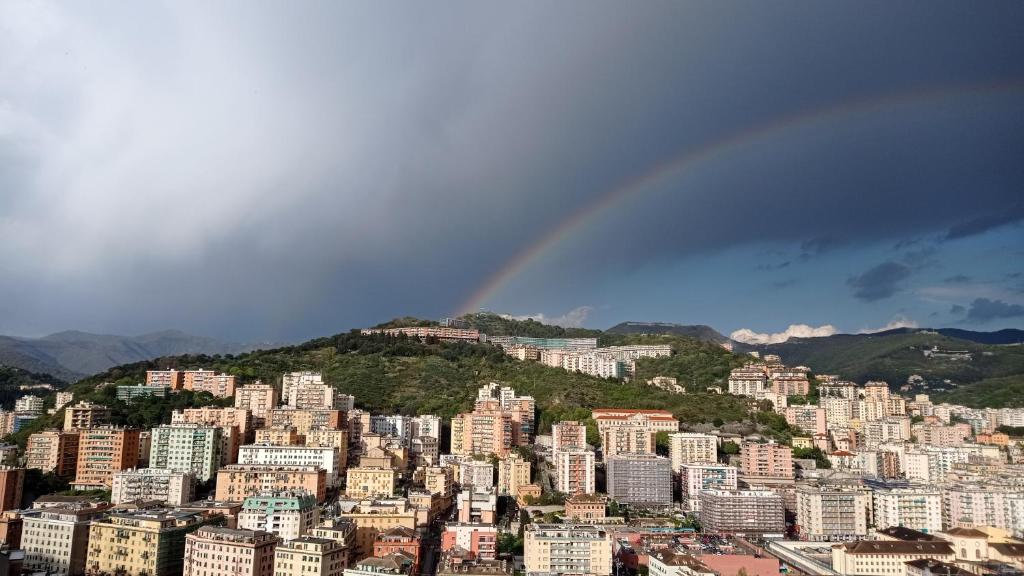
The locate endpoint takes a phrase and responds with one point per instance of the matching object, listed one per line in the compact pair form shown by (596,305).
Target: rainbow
(692,159)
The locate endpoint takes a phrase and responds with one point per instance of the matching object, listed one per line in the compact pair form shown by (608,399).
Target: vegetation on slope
(402,375)
(1006,392)
(895,356)
(12,379)
(497,325)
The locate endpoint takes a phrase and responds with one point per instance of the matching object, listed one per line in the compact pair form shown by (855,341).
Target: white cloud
(572,319)
(748,336)
(896,322)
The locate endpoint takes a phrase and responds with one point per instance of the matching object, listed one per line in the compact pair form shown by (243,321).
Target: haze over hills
(698,331)
(72,355)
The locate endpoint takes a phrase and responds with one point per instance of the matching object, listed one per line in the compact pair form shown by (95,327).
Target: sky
(277,171)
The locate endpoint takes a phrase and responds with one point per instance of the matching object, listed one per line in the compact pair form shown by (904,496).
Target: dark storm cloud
(957,279)
(957,309)
(981,224)
(271,171)
(878,282)
(984,310)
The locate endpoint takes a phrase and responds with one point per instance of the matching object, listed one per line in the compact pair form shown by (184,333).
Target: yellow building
(85,415)
(148,542)
(513,472)
(310,555)
(280,436)
(372,517)
(370,482)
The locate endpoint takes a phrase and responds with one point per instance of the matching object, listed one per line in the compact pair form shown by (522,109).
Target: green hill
(895,356)
(403,375)
(11,380)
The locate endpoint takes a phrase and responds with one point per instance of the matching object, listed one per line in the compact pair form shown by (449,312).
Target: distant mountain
(1005,336)
(696,331)
(72,355)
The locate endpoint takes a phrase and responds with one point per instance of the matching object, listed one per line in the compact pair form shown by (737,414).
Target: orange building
(238,481)
(12,482)
(220,385)
(53,451)
(102,452)
(303,420)
(173,379)
(769,459)
(485,430)
(10,529)
(399,539)
(258,398)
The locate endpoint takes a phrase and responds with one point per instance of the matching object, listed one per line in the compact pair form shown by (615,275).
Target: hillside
(73,355)
(402,375)
(896,355)
(696,331)
(11,379)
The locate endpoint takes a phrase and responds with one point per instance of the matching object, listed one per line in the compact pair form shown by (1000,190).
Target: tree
(730,447)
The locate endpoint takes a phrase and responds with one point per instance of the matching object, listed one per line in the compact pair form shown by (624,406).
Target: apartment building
(747,381)
(790,385)
(29,405)
(326,457)
(399,540)
(53,451)
(128,393)
(187,448)
(239,418)
(306,419)
(102,452)
(426,425)
(477,473)
(567,549)
(479,540)
(370,482)
(172,487)
(586,507)
(479,505)
(697,477)
(640,480)
(810,419)
(279,436)
(634,439)
(691,448)
(238,481)
(766,460)
(56,540)
(259,399)
(513,472)
(832,513)
(967,505)
(567,435)
(521,409)
(84,415)
(173,379)
(148,542)
(744,512)
(286,514)
(424,450)
(574,472)
(219,385)
(443,333)
(310,555)
(318,396)
(62,400)
(918,508)
(219,551)
(372,517)
(12,483)
(292,380)
(486,430)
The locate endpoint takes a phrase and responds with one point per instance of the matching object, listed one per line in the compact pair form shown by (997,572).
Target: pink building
(217,551)
(479,540)
(809,418)
(769,459)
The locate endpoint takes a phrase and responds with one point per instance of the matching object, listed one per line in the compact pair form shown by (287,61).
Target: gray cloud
(984,310)
(957,309)
(981,224)
(879,282)
(261,171)
(957,279)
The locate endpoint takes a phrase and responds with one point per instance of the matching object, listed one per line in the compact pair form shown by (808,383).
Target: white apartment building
(30,405)
(697,477)
(325,457)
(476,473)
(287,514)
(396,426)
(574,472)
(919,508)
(567,549)
(747,381)
(55,540)
(426,425)
(175,488)
(692,448)
(931,465)
(832,513)
(187,448)
(293,379)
